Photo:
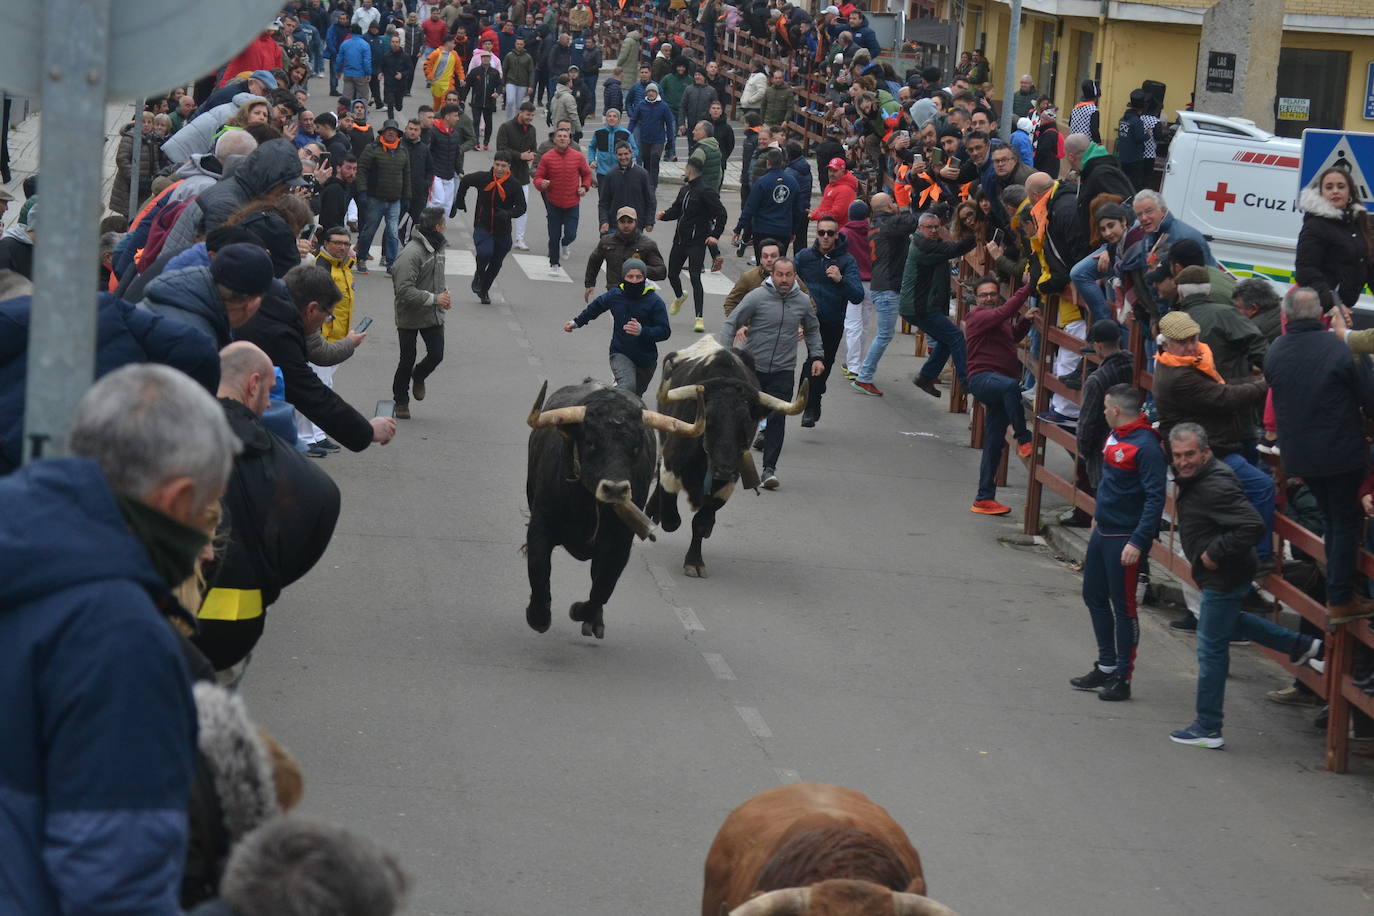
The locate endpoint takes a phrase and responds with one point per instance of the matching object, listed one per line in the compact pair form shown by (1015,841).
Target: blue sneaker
(1197,736)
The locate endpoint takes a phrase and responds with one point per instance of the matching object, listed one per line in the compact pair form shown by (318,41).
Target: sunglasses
(827,232)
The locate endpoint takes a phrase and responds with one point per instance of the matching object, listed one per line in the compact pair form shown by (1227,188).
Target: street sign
(154,44)
(1221,71)
(1369,94)
(1322,149)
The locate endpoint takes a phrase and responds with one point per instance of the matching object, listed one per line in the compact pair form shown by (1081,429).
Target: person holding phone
(336,256)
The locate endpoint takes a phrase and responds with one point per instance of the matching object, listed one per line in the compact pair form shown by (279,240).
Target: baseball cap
(243,268)
(1102,331)
(837,163)
(6,195)
(1178,326)
(626,211)
(264,77)
(831,11)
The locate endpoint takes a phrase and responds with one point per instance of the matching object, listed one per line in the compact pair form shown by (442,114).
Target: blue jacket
(354,58)
(602,148)
(653,122)
(98,737)
(1020,142)
(195,256)
(653,322)
(612,94)
(1175,229)
(377,46)
(831,298)
(774,207)
(634,95)
(865,37)
(801,170)
(1131,495)
(124,335)
(334,36)
(189,296)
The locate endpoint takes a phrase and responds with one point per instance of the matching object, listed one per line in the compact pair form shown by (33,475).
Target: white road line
(689,620)
(753,720)
(716,662)
(786,776)
(661,576)
(536,267)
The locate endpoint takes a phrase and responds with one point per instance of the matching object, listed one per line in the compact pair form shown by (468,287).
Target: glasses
(827,232)
(991,295)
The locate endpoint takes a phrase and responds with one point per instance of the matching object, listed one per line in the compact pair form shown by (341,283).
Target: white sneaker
(555,270)
(521,246)
(567,250)
(770,479)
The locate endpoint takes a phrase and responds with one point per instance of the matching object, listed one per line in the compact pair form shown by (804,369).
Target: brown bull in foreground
(811,849)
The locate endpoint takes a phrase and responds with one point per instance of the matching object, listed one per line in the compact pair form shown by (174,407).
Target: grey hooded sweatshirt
(773,318)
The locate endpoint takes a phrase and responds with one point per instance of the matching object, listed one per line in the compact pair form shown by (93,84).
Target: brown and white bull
(812,849)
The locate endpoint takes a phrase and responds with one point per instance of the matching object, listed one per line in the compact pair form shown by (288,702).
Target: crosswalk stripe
(536,267)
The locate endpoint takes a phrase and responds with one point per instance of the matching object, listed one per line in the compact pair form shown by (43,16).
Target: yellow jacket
(449,77)
(342,274)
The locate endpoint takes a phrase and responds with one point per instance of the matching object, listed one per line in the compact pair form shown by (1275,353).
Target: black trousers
(395,96)
(487,116)
(778,384)
(831,335)
(406,369)
(694,256)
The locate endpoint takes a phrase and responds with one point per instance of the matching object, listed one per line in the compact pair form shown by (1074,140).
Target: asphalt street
(859,626)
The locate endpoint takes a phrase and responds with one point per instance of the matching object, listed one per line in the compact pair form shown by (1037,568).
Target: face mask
(634,289)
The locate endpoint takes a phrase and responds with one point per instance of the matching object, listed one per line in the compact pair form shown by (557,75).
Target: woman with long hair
(1336,241)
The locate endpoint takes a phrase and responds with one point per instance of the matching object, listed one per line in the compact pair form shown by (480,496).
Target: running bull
(709,469)
(591,456)
(811,848)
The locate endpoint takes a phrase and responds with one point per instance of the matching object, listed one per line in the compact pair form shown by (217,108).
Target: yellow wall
(1136,51)
(1361,55)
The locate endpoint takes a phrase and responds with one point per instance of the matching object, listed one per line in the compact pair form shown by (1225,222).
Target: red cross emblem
(1220,197)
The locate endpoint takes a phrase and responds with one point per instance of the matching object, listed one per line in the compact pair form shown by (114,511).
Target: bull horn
(655,420)
(748,473)
(781,406)
(681,393)
(559,416)
(790,901)
(635,519)
(916,905)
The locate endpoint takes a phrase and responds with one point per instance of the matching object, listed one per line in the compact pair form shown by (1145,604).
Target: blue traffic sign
(1369,94)
(1354,152)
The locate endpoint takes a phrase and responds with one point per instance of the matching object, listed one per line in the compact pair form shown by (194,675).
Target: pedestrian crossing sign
(1354,152)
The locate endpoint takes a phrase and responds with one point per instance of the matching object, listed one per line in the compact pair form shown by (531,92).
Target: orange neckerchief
(1204,363)
(389,147)
(498,185)
(1041,211)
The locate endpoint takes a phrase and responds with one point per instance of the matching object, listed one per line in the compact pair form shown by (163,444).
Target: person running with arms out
(499,202)
(773,314)
(1129,502)
(641,321)
(700,218)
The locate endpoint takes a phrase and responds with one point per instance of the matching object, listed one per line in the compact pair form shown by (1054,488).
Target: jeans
(1001,400)
(333,77)
(1221,620)
(317,58)
(1259,490)
(589,81)
(651,154)
(491,251)
(1109,591)
(629,376)
(1085,276)
(694,256)
(514,96)
(406,369)
(1338,496)
(391,240)
(885,304)
(949,343)
(562,227)
(778,384)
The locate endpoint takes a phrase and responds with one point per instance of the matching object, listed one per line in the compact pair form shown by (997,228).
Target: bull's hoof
(538,617)
(578,612)
(694,571)
(670,524)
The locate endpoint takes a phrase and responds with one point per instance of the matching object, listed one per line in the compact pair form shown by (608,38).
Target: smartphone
(385,409)
(955,161)
(323,161)
(996,238)
(937,158)
(308,233)
(363,326)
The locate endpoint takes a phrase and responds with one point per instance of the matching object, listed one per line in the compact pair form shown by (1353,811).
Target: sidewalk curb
(1072,544)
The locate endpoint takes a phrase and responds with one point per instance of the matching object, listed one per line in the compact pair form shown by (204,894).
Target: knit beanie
(634,264)
(858,210)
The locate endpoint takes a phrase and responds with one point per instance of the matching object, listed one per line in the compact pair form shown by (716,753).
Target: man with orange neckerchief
(499,201)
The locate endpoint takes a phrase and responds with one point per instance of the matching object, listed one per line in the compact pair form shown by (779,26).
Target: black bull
(591,455)
(708,469)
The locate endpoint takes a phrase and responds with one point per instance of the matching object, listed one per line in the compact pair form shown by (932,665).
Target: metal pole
(1009,80)
(67,251)
(135,149)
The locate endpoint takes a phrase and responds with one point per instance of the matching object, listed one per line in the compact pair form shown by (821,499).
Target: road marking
(689,619)
(716,662)
(536,267)
(753,720)
(665,581)
(457,261)
(786,776)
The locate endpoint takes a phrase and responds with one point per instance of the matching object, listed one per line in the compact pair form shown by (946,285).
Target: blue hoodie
(653,322)
(98,736)
(774,207)
(1131,495)
(653,122)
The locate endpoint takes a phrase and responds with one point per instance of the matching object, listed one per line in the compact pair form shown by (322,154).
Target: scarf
(498,185)
(389,147)
(1204,363)
(172,547)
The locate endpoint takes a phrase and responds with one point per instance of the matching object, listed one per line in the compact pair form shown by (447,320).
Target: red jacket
(434,30)
(991,337)
(564,170)
(263,53)
(489,34)
(855,233)
(837,197)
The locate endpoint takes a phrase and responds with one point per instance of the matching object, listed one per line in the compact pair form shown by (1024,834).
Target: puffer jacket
(417,278)
(341,272)
(198,135)
(696,104)
(447,147)
(603,144)
(778,103)
(150,162)
(564,107)
(384,174)
(754,88)
(191,297)
(1334,256)
(653,122)
(831,298)
(837,197)
(273,163)
(707,157)
(1215,517)
(565,171)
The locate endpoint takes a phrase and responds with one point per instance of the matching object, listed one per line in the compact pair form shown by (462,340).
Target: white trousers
(514,96)
(1066,360)
(308,431)
(441,193)
(858,317)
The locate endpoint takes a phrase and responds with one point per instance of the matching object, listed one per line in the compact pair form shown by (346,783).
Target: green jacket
(1237,345)
(925,279)
(707,155)
(384,174)
(778,103)
(671,87)
(417,278)
(518,69)
(628,61)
